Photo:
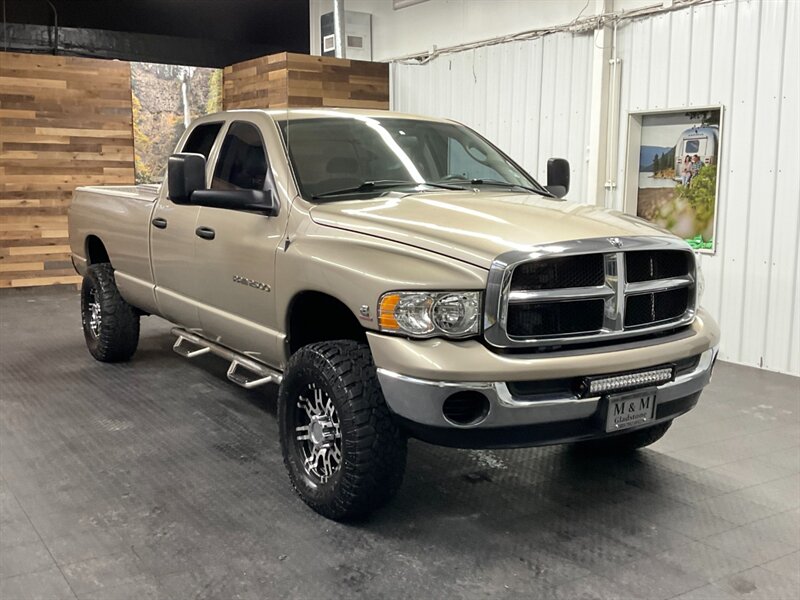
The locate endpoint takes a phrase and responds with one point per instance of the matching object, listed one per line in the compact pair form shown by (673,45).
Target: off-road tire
(624,443)
(118,334)
(373,446)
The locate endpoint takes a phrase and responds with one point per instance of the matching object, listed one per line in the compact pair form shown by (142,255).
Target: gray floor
(159,479)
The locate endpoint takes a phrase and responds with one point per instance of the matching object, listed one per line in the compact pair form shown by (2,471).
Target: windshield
(337,156)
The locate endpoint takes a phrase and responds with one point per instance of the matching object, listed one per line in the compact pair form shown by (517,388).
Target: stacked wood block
(64,122)
(297,80)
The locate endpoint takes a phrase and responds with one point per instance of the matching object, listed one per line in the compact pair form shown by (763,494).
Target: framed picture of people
(672,171)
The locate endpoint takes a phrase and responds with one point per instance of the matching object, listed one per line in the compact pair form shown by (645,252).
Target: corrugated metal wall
(743,55)
(532,99)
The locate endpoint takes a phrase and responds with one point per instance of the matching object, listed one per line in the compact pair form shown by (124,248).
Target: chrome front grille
(589,290)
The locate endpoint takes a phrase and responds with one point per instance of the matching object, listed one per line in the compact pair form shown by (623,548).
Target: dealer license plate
(630,410)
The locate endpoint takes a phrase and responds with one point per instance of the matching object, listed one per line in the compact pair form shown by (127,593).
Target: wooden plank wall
(67,121)
(297,80)
(64,122)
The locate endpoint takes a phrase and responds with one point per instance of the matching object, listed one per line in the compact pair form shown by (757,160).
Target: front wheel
(624,443)
(344,453)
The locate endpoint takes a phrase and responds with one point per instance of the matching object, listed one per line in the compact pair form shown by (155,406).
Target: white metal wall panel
(530,98)
(742,54)
(782,333)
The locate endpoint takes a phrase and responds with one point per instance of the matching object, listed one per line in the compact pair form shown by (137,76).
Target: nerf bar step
(243,371)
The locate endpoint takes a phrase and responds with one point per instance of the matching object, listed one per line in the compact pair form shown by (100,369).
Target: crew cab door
(235,250)
(172,240)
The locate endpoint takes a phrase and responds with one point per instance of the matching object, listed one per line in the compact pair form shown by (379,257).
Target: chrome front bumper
(420,402)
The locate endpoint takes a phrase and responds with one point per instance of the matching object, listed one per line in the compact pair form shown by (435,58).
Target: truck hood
(476,227)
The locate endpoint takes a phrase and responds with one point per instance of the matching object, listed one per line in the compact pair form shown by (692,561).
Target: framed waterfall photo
(671,176)
(165,98)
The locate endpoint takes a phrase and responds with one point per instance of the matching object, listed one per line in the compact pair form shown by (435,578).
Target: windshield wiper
(497,182)
(384,184)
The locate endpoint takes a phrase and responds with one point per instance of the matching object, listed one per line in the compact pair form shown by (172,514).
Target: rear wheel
(343,451)
(624,442)
(110,325)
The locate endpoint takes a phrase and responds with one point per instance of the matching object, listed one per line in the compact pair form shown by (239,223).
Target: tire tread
(375,446)
(119,332)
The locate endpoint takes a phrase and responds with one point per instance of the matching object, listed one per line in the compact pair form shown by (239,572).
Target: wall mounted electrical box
(357,32)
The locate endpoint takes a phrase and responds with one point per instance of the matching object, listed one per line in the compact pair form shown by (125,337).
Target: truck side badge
(264,287)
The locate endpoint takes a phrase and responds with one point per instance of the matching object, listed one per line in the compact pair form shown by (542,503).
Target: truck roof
(320,113)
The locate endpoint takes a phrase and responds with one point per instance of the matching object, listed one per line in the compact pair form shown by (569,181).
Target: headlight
(426,314)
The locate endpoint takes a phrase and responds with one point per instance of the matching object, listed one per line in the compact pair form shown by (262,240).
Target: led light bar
(603,385)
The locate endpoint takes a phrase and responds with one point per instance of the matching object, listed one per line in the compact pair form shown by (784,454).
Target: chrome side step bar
(244,371)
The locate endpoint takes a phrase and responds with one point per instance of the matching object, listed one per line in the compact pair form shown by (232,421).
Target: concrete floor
(159,479)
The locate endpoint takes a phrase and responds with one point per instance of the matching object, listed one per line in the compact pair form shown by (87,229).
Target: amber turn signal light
(386,318)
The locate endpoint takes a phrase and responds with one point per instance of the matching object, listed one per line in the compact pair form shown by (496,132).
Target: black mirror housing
(186,173)
(260,201)
(558,177)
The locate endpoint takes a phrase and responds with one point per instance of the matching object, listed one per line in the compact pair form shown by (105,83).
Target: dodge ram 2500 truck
(396,276)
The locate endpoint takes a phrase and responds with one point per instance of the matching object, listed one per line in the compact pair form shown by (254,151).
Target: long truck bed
(120,217)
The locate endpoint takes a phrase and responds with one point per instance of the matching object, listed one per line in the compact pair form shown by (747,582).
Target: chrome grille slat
(658,285)
(600,291)
(662,267)
(614,310)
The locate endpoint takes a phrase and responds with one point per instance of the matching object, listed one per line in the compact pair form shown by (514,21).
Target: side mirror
(186,173)
(558,177)
(249,200)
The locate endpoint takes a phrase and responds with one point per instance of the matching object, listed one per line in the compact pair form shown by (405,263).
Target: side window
(202,138)
(242,163)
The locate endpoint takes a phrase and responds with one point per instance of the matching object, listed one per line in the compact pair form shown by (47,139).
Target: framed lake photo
(672,172)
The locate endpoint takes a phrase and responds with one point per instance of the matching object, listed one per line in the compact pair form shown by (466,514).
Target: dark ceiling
(276,25)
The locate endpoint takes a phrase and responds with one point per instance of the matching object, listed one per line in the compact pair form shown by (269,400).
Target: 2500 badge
(251,282)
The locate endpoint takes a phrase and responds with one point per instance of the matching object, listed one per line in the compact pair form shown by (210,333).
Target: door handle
(205,232)
(160,223)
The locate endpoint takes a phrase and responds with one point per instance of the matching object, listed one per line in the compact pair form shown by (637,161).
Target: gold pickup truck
(396,275)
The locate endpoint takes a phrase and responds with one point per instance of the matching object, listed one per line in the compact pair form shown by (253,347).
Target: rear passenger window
(202,138)
(242,163)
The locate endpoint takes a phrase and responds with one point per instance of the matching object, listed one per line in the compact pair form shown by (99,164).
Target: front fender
(356,269)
